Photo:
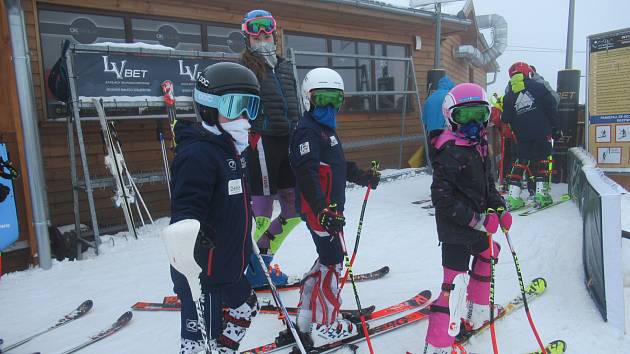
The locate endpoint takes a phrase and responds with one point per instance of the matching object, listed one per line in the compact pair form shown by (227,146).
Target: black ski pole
(375,166)
(276,298)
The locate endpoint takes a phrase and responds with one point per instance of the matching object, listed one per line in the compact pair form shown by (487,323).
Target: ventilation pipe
(499,42)
(28,113)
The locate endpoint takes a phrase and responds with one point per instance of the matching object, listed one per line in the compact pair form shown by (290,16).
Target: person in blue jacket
(208,241)
(321,172)
(432,109)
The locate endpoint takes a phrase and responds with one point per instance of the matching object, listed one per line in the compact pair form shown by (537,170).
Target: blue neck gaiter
(471,131)
(326,116)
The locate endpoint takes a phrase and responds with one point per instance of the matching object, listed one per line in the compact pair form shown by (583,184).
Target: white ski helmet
(319,78)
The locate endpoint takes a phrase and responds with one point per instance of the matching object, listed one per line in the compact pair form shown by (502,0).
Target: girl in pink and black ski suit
(462,191)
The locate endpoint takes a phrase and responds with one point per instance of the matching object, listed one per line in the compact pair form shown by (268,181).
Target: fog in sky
(537,32)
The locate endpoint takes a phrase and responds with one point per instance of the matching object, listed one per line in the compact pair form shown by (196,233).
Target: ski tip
(384,270)
(86,306)
(426,294)
(557,347)
(125,317)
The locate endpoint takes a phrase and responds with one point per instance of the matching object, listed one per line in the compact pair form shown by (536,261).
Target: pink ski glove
(488,223)
(505,220)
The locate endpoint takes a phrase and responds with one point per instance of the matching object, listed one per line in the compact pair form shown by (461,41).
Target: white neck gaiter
(239,131)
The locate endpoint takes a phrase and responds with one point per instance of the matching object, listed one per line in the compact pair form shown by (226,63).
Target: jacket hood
(445,83)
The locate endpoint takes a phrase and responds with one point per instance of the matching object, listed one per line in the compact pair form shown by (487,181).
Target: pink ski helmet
(461,95)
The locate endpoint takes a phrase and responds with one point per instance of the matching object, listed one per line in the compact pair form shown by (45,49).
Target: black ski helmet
(221,78)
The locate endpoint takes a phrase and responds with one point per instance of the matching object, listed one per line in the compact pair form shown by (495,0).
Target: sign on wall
(608,105)
(133,75)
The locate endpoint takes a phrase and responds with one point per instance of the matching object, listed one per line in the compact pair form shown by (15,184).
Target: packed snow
(396,233)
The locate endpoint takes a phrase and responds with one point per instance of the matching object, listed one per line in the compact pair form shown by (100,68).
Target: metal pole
(76,116)
(403,112)
(422,125)
(569,60)
(30,131)
(438,35)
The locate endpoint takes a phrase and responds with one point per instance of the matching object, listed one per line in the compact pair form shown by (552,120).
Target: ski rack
(410,74)
(82,109)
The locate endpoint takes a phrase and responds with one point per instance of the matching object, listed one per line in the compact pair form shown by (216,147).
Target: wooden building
(371,124)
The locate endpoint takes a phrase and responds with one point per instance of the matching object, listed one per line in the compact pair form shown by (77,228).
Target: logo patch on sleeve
(305,148)
(333,140)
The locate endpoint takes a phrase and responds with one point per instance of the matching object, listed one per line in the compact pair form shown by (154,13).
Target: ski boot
(236,321)
(479,315)
(514,200)
(340,329)
(429,349)
(189,346)
(542,197)
(256,276)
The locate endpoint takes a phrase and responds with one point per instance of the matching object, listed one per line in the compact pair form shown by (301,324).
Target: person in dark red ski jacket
(463,191)
(209,239)
(321,172)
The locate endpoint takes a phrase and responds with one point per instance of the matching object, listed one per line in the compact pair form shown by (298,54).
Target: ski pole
(276,298)
(522,286)
(502,161)
(375,166)
(167,173)
(495,347)
(347,260)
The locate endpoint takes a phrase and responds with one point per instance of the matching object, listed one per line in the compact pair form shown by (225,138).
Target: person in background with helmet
(321,172)
(531,111)
(467,208)
(270,173)
(209,239)
(506,138)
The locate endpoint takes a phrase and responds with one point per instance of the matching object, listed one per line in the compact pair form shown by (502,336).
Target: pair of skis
(77,313)
(421,299)
(563,198)
(533,290)
(171,303)
(126,189)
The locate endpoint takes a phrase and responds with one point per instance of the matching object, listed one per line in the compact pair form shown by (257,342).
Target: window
(358,74)
(225,39)
(306,44)
(55,26)
(390,75)
(177,35)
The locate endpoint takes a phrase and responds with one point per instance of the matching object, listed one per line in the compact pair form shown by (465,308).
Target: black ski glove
(369,177)
(331,219)
(556,134)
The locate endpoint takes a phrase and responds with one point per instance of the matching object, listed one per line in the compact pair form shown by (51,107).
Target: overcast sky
(537,31)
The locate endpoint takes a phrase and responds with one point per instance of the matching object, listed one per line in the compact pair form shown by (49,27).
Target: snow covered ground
(395,233)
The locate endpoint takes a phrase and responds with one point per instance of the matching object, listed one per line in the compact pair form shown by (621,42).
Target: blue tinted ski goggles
(231,105)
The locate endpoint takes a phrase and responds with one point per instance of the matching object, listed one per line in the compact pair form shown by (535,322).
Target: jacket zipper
(282,94)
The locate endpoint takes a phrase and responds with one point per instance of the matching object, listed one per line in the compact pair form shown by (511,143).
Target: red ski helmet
(520,67)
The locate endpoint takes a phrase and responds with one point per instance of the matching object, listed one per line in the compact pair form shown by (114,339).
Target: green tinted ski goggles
(323,98)
(472,113)
(231,105)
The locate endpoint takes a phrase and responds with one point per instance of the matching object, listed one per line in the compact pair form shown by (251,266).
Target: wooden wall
(141,148)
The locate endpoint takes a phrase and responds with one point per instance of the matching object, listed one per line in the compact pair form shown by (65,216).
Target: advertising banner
(135,76)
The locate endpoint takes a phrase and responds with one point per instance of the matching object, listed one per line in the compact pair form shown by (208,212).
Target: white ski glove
(179,239)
